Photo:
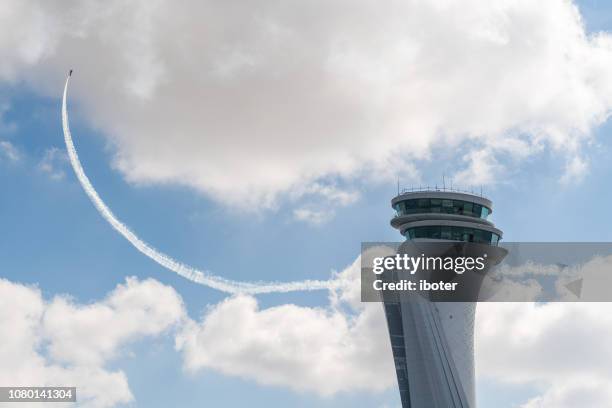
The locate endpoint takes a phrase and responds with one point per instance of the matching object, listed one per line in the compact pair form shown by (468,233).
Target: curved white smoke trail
(186,271)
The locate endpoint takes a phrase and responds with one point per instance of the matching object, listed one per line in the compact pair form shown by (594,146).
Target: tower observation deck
(433,342)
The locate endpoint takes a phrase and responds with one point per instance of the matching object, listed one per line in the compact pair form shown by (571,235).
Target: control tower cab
(445,215)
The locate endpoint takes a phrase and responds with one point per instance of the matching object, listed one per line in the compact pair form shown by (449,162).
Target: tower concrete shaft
(433,342)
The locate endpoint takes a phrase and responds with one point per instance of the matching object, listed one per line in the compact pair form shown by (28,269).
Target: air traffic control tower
(432,341)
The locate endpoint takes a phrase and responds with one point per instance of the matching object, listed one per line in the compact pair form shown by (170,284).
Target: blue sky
(53,238)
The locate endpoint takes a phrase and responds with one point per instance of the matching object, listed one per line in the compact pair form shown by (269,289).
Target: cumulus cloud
(321,201)
(482,168)
(528,281)
(250,102)
(575,170)
(342,346)
(62,343)
(562,348)
(325,350)
(9,152)
(315,217)
(93,333)
(53,163)
(6,126)
(587,392)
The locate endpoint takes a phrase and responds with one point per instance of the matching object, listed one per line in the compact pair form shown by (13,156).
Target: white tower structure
(433,342)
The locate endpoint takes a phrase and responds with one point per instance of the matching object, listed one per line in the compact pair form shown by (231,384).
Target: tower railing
(442,188)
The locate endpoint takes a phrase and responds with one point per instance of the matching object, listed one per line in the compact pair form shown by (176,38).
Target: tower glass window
(436,205)
(453,233)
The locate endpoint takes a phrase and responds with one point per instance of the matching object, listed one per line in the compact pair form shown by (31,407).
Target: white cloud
(587,392)
(321,201)
(314,217)
(342,347)
(560,348)
(248,102)
(60,342)
(6,126)
(575,170)
(482,169)
(563,348)
(339,347)
(92,334)
(330,193)
(53,163)
(9,151)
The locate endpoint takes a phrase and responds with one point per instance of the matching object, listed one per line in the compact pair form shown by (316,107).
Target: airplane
(70,73)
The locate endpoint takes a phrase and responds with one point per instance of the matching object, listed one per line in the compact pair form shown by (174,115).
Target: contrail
(193,274)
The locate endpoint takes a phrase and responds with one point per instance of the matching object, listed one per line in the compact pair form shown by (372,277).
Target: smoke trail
(195,275)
